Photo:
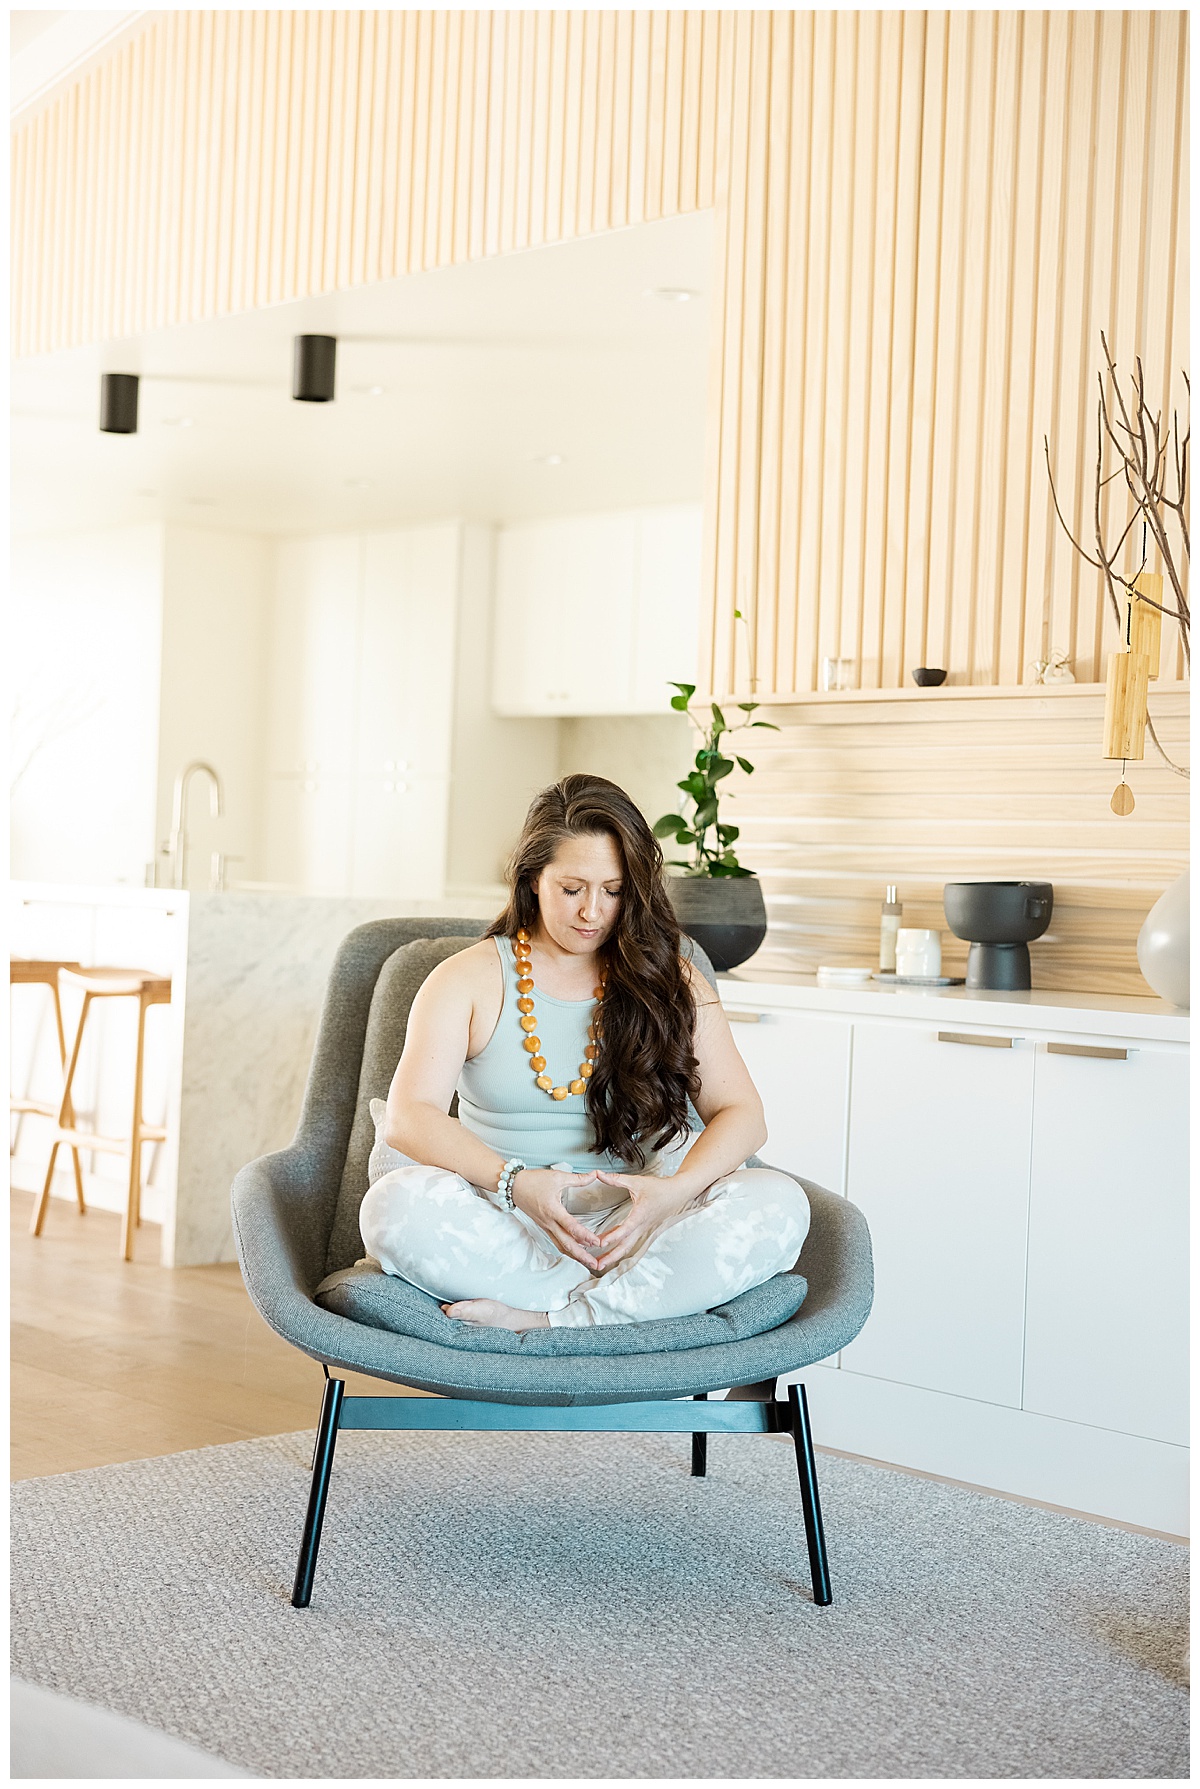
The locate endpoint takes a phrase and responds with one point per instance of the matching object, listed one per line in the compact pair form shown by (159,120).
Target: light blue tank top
(499,1099)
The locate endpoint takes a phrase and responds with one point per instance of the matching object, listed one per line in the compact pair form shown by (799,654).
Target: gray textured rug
(577,1606)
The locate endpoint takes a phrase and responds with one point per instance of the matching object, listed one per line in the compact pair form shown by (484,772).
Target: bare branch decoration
(1145,457)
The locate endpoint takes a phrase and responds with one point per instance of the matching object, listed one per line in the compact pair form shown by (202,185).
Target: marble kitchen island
(226,1061)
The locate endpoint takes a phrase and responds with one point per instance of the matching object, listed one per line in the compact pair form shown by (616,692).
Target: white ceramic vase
(1164,944)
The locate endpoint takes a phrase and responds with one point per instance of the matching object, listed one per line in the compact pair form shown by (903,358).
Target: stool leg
(62,1057)
(133,1202)
(65,1110)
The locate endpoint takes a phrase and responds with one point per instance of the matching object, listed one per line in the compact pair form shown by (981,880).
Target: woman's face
(579,892)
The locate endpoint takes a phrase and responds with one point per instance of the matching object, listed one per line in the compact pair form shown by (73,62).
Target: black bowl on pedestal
(724,914)
(999,920)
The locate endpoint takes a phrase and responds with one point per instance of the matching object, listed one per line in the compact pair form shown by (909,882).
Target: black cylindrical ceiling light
(118,403)
(313,368)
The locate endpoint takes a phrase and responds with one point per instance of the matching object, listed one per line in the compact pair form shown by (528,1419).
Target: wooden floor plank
(121,1360)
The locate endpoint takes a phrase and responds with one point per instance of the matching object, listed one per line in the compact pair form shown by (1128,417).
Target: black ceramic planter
(724,914)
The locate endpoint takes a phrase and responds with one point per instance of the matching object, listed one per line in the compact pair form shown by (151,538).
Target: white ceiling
(50,50)
(486,369)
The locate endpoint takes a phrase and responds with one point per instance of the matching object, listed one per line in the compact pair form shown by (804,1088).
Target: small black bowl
(927,677)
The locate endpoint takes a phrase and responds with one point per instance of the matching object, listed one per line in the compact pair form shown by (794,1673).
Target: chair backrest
(384,1027)
(383,1044)
(331,1091)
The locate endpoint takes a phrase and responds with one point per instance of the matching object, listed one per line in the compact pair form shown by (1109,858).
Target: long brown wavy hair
(646,1069)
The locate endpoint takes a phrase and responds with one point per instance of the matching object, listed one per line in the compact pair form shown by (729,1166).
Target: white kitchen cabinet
(939,1166)
(595,614)
(398,834)
(314,656)
(361,711)
(801,1068)
(1107,1297)
(307,837)
(406,637)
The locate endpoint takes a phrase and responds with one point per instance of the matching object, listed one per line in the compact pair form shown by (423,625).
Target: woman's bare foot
(494,1315)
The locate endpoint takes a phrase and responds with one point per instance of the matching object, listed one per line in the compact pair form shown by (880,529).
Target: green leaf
(720,767)
(746,765)
(770,724)
(738,616)
(686,690)
(684,837)
(696,785)
(706,813)
(749,707)
(719,720)
(667,826)
(679,704)
(727,834)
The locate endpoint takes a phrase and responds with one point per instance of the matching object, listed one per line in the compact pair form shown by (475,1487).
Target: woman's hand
(538,1193)
(655,1199)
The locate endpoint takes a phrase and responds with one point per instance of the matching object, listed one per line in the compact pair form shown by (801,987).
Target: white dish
(842,975)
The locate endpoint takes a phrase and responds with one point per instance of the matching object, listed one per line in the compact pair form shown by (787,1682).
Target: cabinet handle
(1109,1055)
(976,1037)
(739,1018)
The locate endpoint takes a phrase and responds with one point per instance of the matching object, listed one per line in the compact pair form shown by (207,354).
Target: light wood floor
(115,1360)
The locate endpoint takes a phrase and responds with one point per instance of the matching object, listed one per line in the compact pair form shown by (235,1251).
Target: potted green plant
(717,901)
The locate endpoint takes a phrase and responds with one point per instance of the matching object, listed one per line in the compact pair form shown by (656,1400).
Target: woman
(571,1188)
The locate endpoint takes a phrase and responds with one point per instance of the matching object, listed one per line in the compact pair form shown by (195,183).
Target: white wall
(645,754)
(86,638)
(214,668)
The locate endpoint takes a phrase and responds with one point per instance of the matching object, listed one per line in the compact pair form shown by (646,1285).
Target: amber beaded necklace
(533,1043)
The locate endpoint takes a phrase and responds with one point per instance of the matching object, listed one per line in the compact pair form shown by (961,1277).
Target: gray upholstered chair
(295,1219)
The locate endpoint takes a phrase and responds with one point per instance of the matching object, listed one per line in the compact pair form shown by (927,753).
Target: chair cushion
(365,1294)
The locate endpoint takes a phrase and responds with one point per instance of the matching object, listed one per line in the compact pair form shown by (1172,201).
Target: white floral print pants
(433,1228)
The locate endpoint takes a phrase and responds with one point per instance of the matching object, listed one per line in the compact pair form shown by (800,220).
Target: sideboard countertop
(1038,1009)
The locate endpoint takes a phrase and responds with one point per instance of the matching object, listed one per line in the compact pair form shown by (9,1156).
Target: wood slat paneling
(927,220)
(923,221)
(920,791)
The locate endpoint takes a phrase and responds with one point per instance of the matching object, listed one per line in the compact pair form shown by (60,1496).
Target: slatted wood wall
(855,793)
(931,218)
(924,221)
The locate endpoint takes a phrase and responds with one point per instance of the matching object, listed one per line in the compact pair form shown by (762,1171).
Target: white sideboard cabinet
(596,614)
(1021,1161)
(940,1121)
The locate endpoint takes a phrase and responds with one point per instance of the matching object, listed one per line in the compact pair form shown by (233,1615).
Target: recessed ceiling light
(177,422)
(548,459)
(671,294)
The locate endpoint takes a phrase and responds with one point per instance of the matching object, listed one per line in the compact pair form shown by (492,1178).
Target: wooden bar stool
(43,972)
(148,989)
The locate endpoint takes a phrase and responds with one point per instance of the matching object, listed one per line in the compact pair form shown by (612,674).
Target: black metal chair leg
(327,1429)
(806,1466)
(700,1444)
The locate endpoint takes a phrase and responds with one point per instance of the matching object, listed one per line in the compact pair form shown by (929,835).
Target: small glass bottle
(889,925)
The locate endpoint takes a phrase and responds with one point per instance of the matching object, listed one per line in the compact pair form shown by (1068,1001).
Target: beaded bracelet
(508,1174)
